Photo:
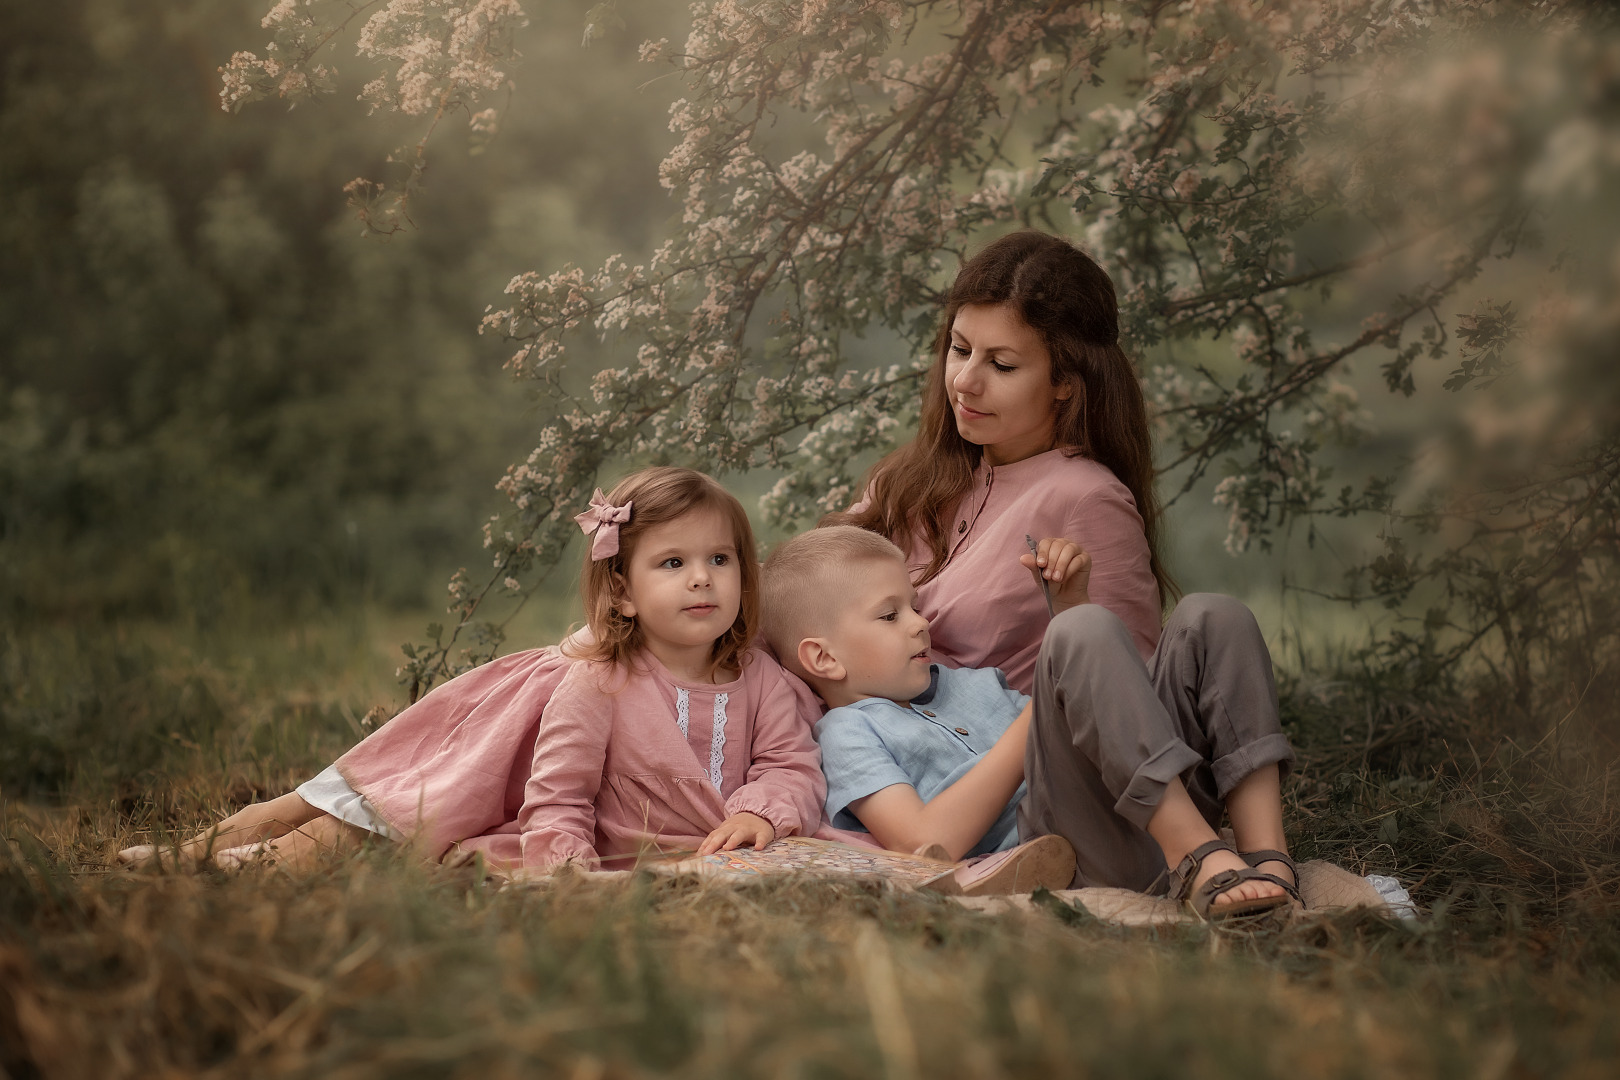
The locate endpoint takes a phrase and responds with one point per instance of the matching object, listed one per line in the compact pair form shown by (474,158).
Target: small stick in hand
(1046,586)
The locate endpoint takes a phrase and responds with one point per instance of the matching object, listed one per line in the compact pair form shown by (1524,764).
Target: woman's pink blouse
(985,609)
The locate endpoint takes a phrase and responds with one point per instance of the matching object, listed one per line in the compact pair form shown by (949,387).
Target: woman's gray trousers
(1110,732)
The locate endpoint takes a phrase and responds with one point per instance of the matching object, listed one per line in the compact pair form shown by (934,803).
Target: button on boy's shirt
(875,743)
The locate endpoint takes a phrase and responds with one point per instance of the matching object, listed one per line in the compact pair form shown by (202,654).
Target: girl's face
(683,584)
(998,376)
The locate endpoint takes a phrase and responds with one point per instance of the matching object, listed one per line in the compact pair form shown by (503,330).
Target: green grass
(379,966)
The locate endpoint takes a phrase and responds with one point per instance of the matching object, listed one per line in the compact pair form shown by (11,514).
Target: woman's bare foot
(1278,868)
(1255,807)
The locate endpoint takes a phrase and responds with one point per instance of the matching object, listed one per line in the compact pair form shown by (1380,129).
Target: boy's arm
(957,817)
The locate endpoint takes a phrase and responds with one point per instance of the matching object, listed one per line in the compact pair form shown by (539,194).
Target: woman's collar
(1031,463)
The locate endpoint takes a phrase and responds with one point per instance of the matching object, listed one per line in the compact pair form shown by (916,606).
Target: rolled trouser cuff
(1146,789)
(1234,768)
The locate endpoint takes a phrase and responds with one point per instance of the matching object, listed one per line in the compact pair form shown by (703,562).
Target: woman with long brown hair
(1027,510)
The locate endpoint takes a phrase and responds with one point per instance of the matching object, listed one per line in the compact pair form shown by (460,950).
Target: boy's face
(880,640)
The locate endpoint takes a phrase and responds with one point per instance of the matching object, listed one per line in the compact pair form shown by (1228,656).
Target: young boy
(919,754)
(900,760)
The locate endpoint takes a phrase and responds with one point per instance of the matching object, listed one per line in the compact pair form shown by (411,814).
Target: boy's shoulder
(866,707)
(861,720)
(970,689)
(951,691)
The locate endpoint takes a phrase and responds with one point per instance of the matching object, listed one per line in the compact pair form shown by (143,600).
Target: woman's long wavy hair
(658,496)
(1069,300)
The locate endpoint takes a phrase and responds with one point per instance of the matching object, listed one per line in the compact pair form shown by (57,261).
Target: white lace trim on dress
(683,709)
(717,744)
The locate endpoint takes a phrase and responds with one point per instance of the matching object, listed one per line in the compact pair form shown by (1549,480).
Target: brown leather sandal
(1265,855)
(1201,901)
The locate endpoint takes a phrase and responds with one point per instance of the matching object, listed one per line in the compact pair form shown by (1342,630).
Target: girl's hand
(1066,566)
(737,830)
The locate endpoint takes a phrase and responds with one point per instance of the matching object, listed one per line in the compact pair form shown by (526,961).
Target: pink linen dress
(450,770)
(452,773)
(625,760)
(985,609)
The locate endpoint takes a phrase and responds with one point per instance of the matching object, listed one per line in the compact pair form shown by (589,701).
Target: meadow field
(377,965)
(255,413)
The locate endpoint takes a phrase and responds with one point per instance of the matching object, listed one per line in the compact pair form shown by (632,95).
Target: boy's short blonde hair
(805,585)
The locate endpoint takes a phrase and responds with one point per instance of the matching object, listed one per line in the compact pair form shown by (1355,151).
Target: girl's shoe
(1201,901)
(1046,862)
(1265,855)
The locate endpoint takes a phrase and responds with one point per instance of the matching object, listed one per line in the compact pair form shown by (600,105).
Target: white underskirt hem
(328,791)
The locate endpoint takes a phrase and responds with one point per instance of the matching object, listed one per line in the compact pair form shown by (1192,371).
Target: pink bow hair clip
(602,522)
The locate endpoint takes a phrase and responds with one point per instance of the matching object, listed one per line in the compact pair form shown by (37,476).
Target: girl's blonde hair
(658,496)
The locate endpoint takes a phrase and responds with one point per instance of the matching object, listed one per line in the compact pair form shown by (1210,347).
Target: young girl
(661,729)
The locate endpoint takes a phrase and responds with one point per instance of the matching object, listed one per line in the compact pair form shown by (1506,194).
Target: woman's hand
(737,830)
(1066,566)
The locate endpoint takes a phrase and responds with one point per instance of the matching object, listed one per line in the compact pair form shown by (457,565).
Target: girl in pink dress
(663,729)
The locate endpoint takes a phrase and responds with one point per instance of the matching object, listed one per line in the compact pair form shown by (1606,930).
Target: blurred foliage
(211,387)
(103,712)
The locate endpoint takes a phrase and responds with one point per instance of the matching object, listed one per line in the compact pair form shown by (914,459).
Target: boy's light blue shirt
(875,743)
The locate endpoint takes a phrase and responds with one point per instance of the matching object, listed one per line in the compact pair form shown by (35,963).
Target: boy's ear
(818,661)
(621,597)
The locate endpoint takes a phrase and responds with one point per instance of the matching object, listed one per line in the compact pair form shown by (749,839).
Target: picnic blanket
(1324,886)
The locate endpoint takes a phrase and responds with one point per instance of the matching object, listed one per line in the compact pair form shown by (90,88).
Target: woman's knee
(1215,614)
(1086,628)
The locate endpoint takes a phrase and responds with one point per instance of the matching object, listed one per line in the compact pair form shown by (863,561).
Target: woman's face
(998,377)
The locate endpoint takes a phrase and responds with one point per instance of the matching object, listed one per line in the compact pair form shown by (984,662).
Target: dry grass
(1484,816)
(376,965)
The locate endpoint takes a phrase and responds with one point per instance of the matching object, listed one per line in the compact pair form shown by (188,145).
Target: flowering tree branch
(832,160)
(441,55)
